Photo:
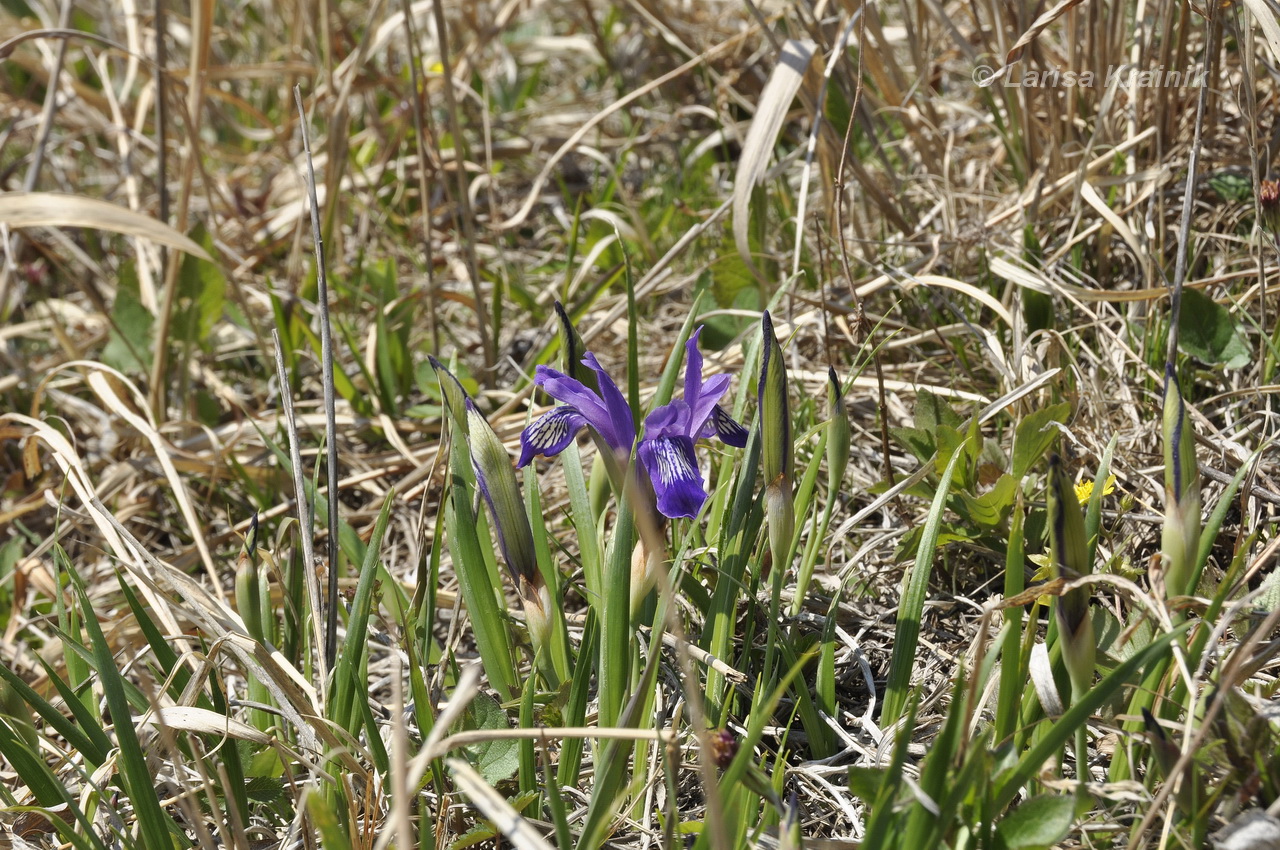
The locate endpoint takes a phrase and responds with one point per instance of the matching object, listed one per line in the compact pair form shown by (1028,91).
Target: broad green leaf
(991,508)
(494,760)
(128,345)
(918,441)
(1035,435)
(201,293)
(1207,332)
(478,834)
(1039,822)
(932,410)
(729,276)
(866,782)
(265,789)
(1231,187)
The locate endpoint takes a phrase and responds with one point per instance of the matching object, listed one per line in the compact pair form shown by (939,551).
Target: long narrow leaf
(139,784)
(911,608)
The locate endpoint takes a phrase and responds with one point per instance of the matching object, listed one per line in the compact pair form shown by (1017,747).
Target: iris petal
(709,396)
(571,391)
(726,428)
(693,385)
(620,429)
(551,433)
(673,470)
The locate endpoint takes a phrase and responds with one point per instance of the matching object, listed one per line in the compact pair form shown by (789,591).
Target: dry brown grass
(981,237)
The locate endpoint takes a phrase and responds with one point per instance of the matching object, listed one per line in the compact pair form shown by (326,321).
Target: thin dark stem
(464,200)
(162,120)
(1188,197)
(331,423)
(42,141)
(162,131)
(863,332)
(306,510)
(420,139)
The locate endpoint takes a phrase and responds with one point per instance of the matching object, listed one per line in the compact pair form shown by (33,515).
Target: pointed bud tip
(1149,718)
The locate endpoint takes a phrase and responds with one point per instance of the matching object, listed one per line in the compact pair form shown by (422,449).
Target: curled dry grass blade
(51,209)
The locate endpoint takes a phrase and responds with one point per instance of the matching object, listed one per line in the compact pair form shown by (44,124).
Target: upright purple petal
(673,470)
(701,396)
(620,432)
(550,433)
(693,369)
(571,391)
(713,389)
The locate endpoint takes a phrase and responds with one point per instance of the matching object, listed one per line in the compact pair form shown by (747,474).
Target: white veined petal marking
(672,464)
(724,423)
(552,428)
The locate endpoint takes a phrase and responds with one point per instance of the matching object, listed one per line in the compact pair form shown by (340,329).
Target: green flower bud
(1070,552)
(775,446)
(780,514)
(455,397)
(572,347)
(1167,754)
(775,411)
(1180,540)
(839,434)
(496,476)
(251,585)
(644,572)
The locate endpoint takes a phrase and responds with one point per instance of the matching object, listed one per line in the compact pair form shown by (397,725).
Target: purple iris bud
(605,412)
(670,431)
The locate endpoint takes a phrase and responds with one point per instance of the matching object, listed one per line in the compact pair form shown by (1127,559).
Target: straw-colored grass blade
(52,209)
(1266,18)
(189,718)
(1038,26)
(771,112)
(517,830)
(1093,199)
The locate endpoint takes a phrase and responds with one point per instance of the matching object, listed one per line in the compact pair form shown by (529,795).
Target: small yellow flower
(1084,490)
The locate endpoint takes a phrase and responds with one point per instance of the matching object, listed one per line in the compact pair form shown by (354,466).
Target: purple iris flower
(666,452)
(670,431)
(606,412)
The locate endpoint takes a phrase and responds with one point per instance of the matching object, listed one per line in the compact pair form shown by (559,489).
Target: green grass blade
(575,710)
(615,632)
(1063,728)
(1093,514)
(348,688)
(157,829)
(737,538)
(474,580)
(1013,677)
(915,589)
(89,740)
